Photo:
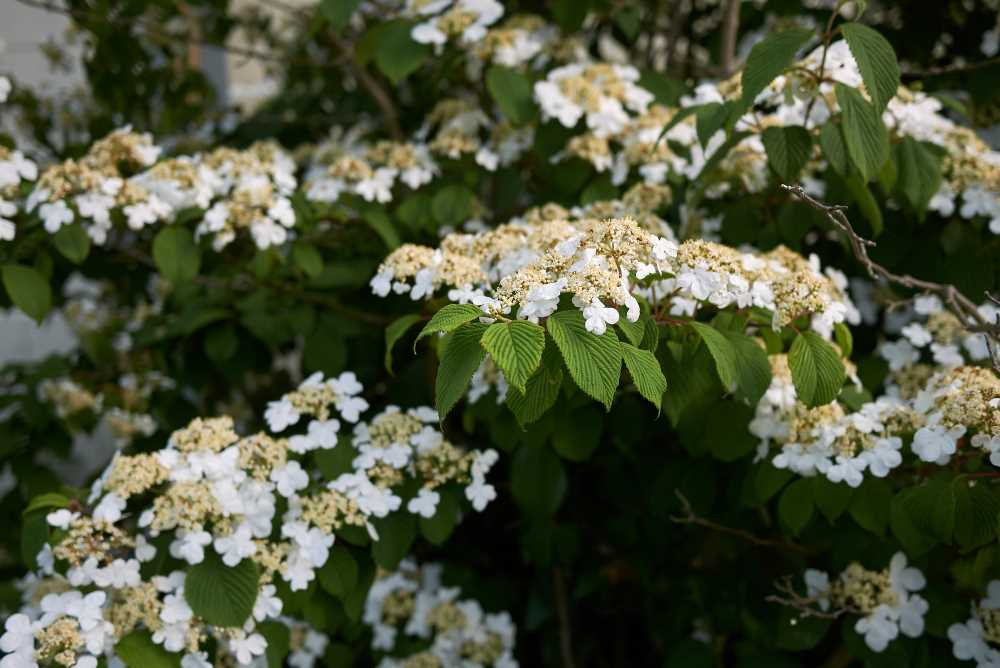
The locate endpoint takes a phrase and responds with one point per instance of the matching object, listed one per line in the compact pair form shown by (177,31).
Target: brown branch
(689,517)
(730,28)
(371,84)
(956,68)
(806,605)
(562,614)
(960,306)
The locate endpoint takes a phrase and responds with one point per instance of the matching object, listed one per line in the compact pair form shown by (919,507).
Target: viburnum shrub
(531,353)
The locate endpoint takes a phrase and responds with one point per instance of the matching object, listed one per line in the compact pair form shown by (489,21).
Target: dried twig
(730,28)
(562,614)
(960,306)
(689,517)
(806,605)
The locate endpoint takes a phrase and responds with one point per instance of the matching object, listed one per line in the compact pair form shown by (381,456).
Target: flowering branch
(689,517)
(961,306)
(804,604)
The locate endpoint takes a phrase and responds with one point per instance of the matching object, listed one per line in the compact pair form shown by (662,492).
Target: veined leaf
(876,60)
(516,347)
(593,361)
(462,356)
(449,318)
(221,595)
(396,329)
(768,58)
(788,150)
(864,133)
(645,370)
(817,370)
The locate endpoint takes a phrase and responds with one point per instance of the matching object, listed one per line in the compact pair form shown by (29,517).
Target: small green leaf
(396,329)
(137,650)
(722,351)
(278,637)
(395,52)
(976,510)
(73,242)
(28,289)
(876,60)
(795,507)
(594,362)
(817,370)
(516,347)
(864,133)
(307,258)
(512,91)
(753,369)
(788,150)
(871,504)
(452,204)
(338,12)
(339,575)
(221,595)
(221,343)
(381,223)
(919,173)
(438,528)
(645,370)
(541,390)
(845,340)
(462,356)
(831,498)
(831,140)
(396,533)
(449,318)
(46,501)
(768,58)
(176,255)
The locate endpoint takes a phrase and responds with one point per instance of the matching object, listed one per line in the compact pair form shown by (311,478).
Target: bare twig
(956,68)
(689,517)
(562,614)
(730,28)
(806,605)
(960,306)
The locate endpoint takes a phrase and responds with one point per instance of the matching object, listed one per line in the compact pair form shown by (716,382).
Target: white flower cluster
(464,20)
(978,638)
(413,602)
(600,93)
(15,169)
(886,601)
(211,493)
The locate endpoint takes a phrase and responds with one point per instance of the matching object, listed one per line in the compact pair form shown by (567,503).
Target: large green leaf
(871,505)
(137,650)
(512,91)
(753,369)
(864,133)
(541,390)
(876,60)
(449,318)
(795,506)
(461,357)
(395,52)
(396,533)
(176,255)
(339,575)
(453,204)
(831,140)
(722,351)
(28,289)
(221,595)
(594,362)
(396,329)
(73,242)
(768,58)
(817,370)
(788,150)
(278,637)
(338,12)
(645,370)
(516,347)
(919,172)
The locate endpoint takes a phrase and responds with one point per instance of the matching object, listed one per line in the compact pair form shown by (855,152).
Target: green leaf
(221,343)
(34,534)
(831,498)
(594,362)
(279,640)
(46,501)
(452,204)
(633,331)
(645,370)
(795,507)
(221,595)
(537,480)
(831,140)
(796,632)
(512,91)
(753,369)
(307,258)
(438,528)
(845,340)
(73,242)
(769,480)
(541,390)
(768,58)
(919,173)
(516,347)
(577,434)
(339,575)
(137,650)
(817,370)
(449,318)
(709,119)
(462,356)
(866,202)
(176,255)
(864,133)
(788,150)
(396,533)
(28,289)
(876,60)
(394,331)
(395,52)
(338,12)
(870,505)
(379,220)
(976,510)
(722,351)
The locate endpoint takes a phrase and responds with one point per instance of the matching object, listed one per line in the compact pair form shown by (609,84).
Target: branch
(955,68)
(562,614)
(960,306)
(806,605)
(689,517)
(382,98)
(730,28)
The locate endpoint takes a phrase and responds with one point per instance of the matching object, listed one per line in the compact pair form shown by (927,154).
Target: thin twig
(562,614)
(730,28)
(689,517)
(827,39)
(961,306)
(381,97)
(956,68)
(806,605)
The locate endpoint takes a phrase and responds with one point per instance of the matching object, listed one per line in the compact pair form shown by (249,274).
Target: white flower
(818,587)
(190,545)
(377,187)
(195,660)
(18,637)
(321,434)
(967,641)
(246,647)
(598,317)
(935,443)
(917,334)
(55,215)
(480,493)
(899,354)
(144,550)
(280,415)
(61,518)
(119,574)
(878,628)
(236,546)
(424,503)
(175,609)
(290,479)
(267,604)
(109,509)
